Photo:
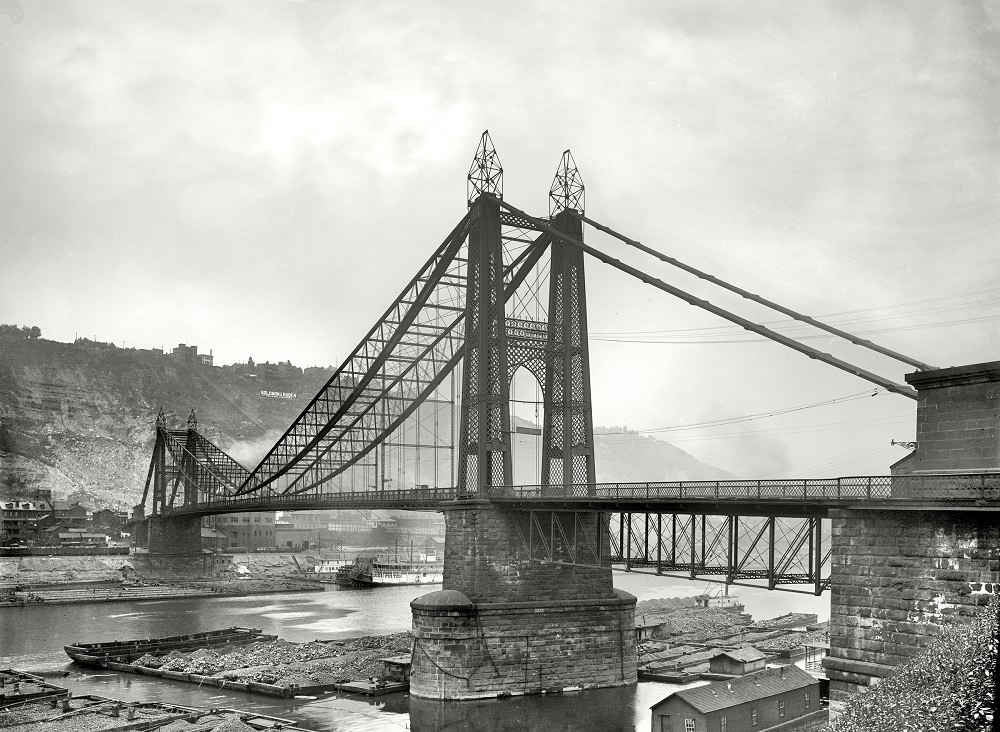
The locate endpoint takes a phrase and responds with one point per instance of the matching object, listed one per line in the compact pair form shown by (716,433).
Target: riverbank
(72,593)
(34,580)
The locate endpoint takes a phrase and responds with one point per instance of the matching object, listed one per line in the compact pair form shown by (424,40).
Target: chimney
(782,672)
(729,685)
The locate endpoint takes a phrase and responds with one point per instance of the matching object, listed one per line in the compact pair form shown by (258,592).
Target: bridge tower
(165,535)
(504,623)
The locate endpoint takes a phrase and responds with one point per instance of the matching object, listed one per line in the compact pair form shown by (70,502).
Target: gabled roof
(743,655)
(752,687)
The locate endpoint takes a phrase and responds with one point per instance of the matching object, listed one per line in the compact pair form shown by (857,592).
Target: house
(645,627)
(738,662)
(758,701)
(396,668)
(70,516)
(21,521)
(109,518)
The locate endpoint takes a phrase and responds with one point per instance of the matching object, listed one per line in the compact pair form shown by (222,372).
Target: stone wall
(173,566)
(897,577)
(958,419)
(181,535)
(463,650)
(485,558)
(507,623)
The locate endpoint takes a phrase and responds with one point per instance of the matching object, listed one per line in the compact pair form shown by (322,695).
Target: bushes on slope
(947,687)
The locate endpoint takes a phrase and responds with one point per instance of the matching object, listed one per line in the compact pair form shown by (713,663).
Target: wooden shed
(738,662)
(759,701)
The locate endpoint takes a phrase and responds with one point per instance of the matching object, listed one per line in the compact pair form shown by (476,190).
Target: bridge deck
(785,497)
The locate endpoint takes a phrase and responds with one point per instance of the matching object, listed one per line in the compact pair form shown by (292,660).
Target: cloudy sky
(261,178)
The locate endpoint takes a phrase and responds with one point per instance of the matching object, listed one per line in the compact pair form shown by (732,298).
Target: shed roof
(752,687)
(743,655)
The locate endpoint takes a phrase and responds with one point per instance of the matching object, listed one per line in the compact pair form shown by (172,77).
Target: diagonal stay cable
(756,298)
(722,313)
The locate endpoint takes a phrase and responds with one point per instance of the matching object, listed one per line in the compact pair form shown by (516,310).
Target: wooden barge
(124,652)
(119,656)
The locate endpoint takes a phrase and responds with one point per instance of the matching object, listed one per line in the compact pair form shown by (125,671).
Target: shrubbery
(947,687)
(12,332)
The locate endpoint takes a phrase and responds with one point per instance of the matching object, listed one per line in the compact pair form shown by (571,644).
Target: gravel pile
(286,664)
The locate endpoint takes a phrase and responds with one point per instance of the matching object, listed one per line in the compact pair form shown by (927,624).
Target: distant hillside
(621,457)
(78,419)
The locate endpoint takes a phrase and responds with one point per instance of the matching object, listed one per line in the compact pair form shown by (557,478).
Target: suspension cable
(756,298)
(722,313)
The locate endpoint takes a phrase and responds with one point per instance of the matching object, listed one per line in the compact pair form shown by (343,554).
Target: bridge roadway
(785,497)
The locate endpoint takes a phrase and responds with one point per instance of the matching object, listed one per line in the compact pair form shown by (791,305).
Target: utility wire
(763,415)
(755,298)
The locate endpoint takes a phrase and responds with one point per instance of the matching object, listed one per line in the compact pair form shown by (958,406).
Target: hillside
(78,419)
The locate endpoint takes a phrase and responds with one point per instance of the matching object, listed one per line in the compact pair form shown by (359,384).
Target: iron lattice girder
(566,537)
(731,548)
(420,327)
(404,358)
(185,458)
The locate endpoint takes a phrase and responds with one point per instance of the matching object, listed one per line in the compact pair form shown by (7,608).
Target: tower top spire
(567,191)
(486,173)
(193,421)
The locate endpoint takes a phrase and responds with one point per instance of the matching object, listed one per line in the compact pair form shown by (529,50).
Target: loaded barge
(124,652)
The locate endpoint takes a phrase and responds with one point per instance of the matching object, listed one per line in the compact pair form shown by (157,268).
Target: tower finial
(486,173)
(161,419)
(193,421)
(567,191)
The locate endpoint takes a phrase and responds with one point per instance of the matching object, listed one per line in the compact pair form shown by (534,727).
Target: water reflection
(597,709)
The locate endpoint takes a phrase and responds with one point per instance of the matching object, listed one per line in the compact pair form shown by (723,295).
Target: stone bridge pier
(899,575)
(504,625)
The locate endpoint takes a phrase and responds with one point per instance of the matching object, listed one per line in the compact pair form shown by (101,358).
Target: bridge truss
(504,290)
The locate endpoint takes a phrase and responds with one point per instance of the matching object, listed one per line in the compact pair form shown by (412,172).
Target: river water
(31,639)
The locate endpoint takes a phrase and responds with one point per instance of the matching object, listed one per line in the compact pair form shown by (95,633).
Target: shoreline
(27,595)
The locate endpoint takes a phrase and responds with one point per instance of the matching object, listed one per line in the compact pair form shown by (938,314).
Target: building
(189,354)
(759,701)
(109,519)
(646,627)
(738,662)
(245,532)
(70,516)
(290,538)
(21,521)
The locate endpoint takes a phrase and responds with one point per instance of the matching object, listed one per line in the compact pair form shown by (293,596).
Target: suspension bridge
(506,290)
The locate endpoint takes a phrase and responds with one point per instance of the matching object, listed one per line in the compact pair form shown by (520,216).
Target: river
(31,639)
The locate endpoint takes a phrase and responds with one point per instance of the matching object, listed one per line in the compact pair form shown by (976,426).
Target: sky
(262,178)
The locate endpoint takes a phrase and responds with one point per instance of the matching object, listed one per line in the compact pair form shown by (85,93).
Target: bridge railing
(406,497)
(951,486)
